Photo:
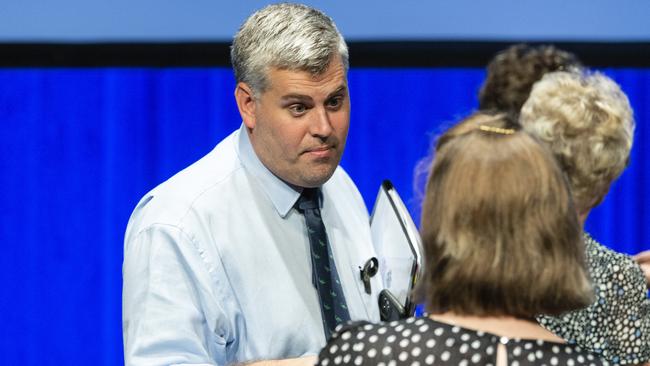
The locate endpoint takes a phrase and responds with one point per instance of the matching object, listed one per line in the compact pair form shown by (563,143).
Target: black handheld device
(390,307)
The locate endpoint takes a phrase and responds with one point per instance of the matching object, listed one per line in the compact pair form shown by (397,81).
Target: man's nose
(321,126)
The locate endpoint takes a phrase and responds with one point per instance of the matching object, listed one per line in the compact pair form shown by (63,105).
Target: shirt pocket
(370,301)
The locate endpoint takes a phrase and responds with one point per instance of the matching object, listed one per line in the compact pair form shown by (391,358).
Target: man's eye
(297,109)
(335,102)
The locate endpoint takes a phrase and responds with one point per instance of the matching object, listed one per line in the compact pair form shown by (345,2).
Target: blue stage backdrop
(81,146)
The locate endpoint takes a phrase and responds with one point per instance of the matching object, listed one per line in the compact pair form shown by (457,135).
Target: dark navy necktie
(326,280)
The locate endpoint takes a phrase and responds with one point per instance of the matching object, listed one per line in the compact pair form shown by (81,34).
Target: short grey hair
(285,36)
(587,121)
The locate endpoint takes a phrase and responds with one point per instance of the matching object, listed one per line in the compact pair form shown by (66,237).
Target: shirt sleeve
(166,285)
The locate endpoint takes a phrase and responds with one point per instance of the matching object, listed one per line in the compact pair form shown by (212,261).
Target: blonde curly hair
(586,120)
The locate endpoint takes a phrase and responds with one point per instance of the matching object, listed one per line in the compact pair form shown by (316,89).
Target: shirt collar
(280,193)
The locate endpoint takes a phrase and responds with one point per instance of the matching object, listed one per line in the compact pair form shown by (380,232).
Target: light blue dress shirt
(217,264)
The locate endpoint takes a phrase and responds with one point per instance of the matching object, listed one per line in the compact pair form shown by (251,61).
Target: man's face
(299,125)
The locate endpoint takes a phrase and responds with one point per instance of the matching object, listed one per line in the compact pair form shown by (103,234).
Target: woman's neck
(505,326)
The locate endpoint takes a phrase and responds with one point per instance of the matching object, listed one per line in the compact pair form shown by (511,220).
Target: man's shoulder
(341,185)
(171,200)
(341,190)
(341,180)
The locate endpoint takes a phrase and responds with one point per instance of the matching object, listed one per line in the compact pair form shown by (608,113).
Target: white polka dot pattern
(423,341)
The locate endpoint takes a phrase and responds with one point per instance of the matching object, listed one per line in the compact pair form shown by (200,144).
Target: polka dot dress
(423,341)
(617,325)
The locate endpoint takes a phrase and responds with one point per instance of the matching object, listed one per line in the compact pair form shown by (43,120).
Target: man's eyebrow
(295,97)
(340,90)
(301,97)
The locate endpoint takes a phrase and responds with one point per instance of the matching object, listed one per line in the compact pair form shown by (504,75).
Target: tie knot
(308,199)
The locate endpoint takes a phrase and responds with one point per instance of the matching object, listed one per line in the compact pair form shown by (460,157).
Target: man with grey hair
(253,252)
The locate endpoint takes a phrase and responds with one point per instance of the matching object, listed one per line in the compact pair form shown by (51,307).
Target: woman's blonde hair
(587,122)
(500,234)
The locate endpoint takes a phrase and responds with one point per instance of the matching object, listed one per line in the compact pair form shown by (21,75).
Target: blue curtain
(81,146)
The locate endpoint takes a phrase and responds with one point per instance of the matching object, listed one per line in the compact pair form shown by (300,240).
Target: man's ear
(246,104)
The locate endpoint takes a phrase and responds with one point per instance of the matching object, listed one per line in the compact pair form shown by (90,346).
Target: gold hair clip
(502,131)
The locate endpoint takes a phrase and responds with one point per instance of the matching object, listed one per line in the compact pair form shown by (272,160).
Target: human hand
(643,259)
